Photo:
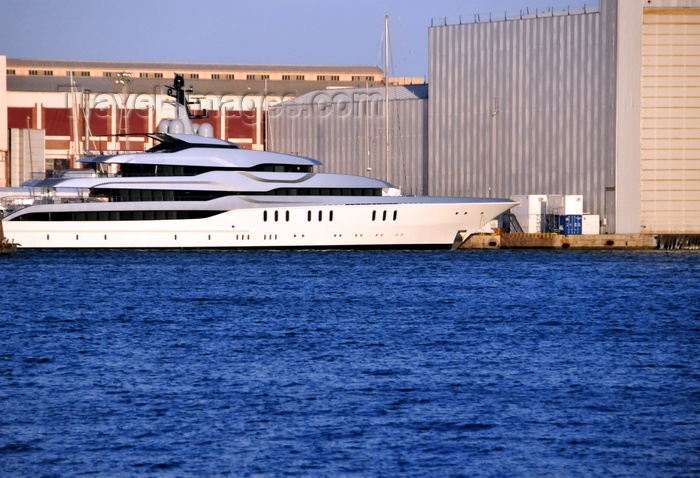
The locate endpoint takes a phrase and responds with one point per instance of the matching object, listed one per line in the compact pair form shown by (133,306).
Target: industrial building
(345,128)
(53,111)
(600,102)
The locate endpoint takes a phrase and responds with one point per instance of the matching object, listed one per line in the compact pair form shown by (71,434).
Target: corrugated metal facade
(345,130)
(670,120)
(524,107)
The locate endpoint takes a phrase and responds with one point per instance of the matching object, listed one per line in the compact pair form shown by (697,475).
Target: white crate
(530,212)
(565,205)
(590,224)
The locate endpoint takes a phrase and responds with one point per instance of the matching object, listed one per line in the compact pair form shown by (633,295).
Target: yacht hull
(377,225)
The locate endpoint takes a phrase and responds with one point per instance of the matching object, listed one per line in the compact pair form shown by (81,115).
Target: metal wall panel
(346,133)
(27,155)
(670,120)
(524,107)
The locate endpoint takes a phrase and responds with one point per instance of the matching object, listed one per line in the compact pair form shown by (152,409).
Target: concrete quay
(560,241)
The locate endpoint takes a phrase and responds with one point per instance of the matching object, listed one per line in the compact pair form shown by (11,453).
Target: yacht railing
(38,176)
(11,204)
(161,198)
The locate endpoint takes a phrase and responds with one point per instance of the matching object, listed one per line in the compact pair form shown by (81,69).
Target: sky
(300,32)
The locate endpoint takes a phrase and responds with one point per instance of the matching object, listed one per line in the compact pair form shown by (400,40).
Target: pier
(504,240)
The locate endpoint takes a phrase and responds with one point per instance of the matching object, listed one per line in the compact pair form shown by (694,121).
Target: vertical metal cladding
(523,107)
(345,129)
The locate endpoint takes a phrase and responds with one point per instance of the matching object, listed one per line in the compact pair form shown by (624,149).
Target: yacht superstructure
(195,191)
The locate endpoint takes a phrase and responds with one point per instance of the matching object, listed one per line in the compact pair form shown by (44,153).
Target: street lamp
(124,79)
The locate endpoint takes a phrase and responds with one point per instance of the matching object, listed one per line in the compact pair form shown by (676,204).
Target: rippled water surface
(348,363)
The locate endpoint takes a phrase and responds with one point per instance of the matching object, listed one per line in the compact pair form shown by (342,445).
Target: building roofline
(75,64)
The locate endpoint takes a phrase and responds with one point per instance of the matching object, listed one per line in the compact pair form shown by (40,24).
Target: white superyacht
(195,191)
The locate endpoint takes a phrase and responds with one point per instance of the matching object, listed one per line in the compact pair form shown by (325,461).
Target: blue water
(348,363)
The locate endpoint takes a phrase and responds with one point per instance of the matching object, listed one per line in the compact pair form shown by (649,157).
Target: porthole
(265,216)
(308,216)
(320,216)
(384,216)
(374,215)
(286,216)
(330,216)
(277,216)
(395,214)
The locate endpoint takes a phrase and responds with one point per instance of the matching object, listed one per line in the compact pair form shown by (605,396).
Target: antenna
(177,90)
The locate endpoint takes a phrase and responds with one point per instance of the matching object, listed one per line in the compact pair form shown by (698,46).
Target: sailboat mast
(386,95)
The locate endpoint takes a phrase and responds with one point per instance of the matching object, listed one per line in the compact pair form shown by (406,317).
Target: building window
(355,78)
(300,78)
(335,78)
(33,72)
(230,77)
(250,77)
(264,77)
(321,78)
(286,77)
(143,75)
(84,73)
(11,72)
(215,76)
(157,75)
(369,78)
(107,74)
(194,76)
(48,72)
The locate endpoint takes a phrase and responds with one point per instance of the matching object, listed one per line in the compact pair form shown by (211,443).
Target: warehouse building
(600,102)
(53,111)
(345,128)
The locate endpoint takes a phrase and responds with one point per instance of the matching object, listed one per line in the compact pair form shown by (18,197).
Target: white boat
(195,191)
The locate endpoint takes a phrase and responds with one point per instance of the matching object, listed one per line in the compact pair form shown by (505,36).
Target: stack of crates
(565,213)
(530,213)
